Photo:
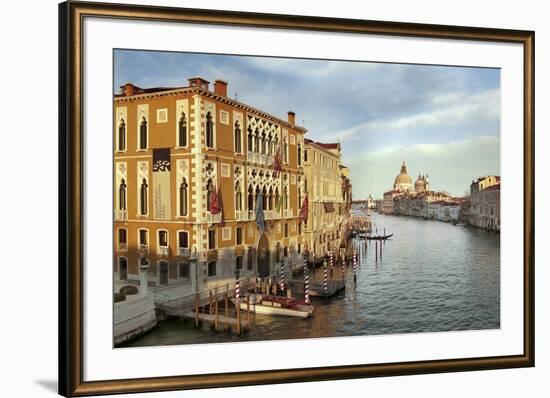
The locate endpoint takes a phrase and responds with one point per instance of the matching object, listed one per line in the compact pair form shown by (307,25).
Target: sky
(441,120)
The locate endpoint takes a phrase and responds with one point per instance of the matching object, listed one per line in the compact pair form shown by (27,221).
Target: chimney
(220,87)
(291,117)
(198,81)
(129,89)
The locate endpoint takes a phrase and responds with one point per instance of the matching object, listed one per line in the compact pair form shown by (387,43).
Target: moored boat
(379,237)
(276,305)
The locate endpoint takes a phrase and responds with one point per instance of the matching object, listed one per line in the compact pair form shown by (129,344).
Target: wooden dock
(217,321)
(333,288)
(205,306)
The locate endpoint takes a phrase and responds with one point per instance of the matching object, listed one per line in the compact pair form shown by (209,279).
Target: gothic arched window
(122,195)
(122,135)
(183,198)
(250,140)
(237,137)
(182,131)
(250,198)
(270,199)
(238,197)
(257,141)
(143,133)
(209,130)
(264,201)
(143,197)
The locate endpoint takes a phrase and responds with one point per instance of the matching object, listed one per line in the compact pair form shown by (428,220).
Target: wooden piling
(210,302)
(248,309)
(237,301)
(216,314)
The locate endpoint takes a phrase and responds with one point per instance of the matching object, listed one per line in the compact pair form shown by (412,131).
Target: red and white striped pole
(325,278)
(282,284)
(237,289)
(306,281)
(331,262)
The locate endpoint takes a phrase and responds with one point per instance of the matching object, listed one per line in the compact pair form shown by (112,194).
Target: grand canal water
(433,276)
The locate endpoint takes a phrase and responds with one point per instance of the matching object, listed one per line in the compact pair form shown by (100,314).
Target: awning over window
(329,207)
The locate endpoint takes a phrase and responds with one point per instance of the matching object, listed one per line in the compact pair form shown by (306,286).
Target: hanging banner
(161,183)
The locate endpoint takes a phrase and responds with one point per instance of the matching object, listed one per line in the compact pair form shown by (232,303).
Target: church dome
(403,181)
(420,184)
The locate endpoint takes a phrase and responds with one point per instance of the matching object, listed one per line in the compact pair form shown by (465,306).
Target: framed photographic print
(251,198)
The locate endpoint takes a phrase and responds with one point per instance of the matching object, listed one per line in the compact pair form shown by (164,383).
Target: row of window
(183,238)
(143,238)
(144,195)
(259,143)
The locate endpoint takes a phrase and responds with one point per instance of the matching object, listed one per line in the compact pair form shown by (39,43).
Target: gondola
(379,237)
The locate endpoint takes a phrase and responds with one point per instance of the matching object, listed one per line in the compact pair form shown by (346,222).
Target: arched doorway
(163,273)
(263,256)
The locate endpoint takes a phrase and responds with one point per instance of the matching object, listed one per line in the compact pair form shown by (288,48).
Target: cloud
(448,110)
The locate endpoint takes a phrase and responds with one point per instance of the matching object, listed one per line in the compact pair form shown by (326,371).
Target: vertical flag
(260,212)
(220,205)
(214,203)
(304,210)
(161,183)
(276,165)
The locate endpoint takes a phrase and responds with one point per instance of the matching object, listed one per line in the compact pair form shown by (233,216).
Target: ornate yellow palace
(189,166)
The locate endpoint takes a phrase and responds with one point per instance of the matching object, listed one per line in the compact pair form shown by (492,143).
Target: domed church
(403,182)
(422,183)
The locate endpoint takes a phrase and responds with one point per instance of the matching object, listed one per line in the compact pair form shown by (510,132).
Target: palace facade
(485,203)
(189,166)
(328,187)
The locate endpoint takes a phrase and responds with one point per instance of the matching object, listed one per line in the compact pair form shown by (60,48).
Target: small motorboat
(276,305)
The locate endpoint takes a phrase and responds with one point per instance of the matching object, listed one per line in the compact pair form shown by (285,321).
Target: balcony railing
(213,218)
(183,251)
(271,214)
(241,215)
(143,247)
(163,250)
(251,215)
(121,215)
(287,213)
(250,156)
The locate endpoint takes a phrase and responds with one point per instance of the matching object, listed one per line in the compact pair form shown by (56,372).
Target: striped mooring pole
(306,281)
(237,289)
(325,278)
(331,262)
(283,276)
(355,265)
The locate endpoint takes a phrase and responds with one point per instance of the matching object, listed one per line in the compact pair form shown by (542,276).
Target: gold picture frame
(71,16)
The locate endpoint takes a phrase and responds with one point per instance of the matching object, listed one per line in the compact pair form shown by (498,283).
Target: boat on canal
(378,237)
(276,305)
